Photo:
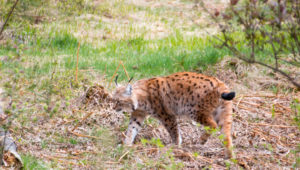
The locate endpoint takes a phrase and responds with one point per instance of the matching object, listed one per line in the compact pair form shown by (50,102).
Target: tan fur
(165,98)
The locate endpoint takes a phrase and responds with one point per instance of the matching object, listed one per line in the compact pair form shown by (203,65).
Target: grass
(142,58)
(31,162)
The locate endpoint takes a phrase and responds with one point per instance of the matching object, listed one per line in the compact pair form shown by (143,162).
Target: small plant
(31,162)
(262,32)
(295,105)
(73,141)
(154,142)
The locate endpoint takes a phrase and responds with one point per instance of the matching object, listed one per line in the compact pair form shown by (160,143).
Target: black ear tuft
(228,96)
(130,79)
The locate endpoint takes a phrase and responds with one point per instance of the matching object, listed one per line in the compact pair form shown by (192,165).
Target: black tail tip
(228,96)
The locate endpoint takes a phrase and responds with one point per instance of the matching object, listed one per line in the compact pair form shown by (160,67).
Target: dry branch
(82,135)
(9,14)
(80,123)
(62,161)
(270,125)
(123,156)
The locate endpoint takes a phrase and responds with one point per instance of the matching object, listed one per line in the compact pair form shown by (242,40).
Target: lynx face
(204,99)
(122,98)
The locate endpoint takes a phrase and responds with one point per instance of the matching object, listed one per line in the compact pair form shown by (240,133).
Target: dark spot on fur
(204,86)
(189,89)
(138,123)
(193,76)
(168,84)
(201,77)
(168,95)
(212,85)
(176,75)
(181,85)
(198,95)
(186,74)
(164,89)
(173,79)
(205,91)
(195,84)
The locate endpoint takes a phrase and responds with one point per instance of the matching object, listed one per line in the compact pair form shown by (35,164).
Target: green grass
(32,163)
(142,58)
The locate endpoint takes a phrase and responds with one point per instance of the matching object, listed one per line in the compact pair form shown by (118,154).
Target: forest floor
(58,123)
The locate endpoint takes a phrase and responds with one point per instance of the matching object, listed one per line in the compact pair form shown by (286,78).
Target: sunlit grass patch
(31,162)
(141,57)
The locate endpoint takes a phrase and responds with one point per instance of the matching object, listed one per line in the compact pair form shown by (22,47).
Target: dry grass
(87,133)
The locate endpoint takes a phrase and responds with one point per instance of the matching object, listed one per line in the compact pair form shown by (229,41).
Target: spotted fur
(204,99)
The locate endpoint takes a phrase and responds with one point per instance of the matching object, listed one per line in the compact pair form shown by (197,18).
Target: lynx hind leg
(206,121)
(170,123)
(224,119)
(135,125)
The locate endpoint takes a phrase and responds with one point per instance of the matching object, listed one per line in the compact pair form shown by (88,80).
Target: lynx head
(123,98)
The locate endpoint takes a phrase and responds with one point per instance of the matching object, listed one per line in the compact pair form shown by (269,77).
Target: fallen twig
(266,108)
(278,126)
(266,96)
(123,156)
(265,124)
(82,135)
(237,105)
(80,123)
(61,161)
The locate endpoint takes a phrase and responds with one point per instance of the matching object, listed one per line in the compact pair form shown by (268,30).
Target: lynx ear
(116,81)
(128,90)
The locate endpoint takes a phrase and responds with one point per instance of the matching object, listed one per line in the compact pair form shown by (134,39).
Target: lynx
(204,99)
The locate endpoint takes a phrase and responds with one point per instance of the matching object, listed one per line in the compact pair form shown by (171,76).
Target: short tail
(228,96)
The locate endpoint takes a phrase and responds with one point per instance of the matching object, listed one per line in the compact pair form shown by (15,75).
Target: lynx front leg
(170,123)
(135,124)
